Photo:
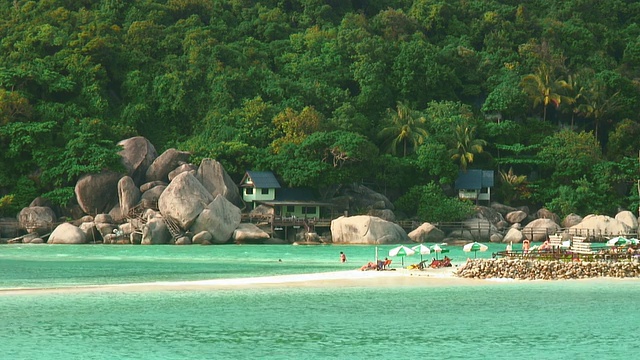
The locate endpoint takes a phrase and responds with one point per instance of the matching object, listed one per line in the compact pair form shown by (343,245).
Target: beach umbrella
(475,247)
(401,251)
(421,249)
(438,249)
(618,241)
(634,241)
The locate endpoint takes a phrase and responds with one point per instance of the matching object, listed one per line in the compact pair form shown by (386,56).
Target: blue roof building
(475,184)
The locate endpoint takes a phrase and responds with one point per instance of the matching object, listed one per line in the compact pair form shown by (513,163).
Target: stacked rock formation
(545,270)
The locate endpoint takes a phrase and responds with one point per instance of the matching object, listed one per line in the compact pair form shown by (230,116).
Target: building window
(248,191)
(264,191)
(290,209)
(309,210)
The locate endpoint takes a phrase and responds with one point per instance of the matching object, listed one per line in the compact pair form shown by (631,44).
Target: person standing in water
(343,257)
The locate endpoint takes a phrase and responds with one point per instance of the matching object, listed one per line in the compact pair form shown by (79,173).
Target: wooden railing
(173,227)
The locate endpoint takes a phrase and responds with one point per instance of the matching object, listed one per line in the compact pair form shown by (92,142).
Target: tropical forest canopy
(397,94)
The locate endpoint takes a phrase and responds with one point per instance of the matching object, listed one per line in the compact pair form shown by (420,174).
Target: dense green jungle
(399,95)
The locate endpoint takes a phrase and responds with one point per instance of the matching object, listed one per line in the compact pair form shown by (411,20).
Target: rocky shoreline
(545,269)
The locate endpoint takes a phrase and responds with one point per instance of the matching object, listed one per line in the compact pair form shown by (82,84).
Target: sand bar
(350,278)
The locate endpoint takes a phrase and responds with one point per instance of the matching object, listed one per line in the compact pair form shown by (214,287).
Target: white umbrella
(618,241)
(475,247)
(401,251)
(437,249)
(421,249)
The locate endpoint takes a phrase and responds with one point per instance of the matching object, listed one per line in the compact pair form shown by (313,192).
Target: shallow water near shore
(487,319)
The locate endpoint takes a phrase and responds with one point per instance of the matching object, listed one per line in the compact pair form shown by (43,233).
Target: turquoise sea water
(483,320)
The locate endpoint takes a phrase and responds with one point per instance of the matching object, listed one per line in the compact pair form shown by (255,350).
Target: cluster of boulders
(501,223)
(164,198)
(496,223)
(160,199)
(545,269)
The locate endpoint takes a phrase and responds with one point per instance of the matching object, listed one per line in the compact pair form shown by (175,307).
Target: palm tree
(576,93)
(466,146)
(407,129)
(543,89)
(598,104)
(512,185)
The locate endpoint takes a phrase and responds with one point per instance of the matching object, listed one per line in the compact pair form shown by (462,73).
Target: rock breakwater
(545,270)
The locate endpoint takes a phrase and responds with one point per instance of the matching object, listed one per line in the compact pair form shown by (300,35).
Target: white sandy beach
(350,278)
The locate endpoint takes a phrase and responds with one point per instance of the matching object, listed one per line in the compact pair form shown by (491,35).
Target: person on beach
(545,246)
(343,257)
(525,246)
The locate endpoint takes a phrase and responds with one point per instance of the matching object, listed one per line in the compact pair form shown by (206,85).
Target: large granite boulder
(545,213)
(215,179)
(128,194)
(479,229)
(37,219)
(502,208)
(571,220)
(360,197)
(91,232)
(516,216)
(137,155)
(165,163)
(249,233)
(262,212)
(183,168)
(384,214)
(513,236)
(67,233)
(151,184)
(151,197)
(98,193)
(220,218)
(540,229)
(489,214)
(426,233)
(184,199)
(32,239)
(155,232)
(203,238)
(365,229)
(629,219)
(599,227)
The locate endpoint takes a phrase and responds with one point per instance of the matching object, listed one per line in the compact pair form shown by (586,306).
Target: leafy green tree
(406,129)
(429,203)
(505,99)
(296,126)
(324,159)
(568,155)
(624,140)
(442,117)
(434,158)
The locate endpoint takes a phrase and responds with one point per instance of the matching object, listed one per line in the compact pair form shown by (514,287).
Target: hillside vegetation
(398,94)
